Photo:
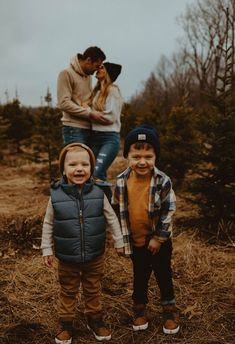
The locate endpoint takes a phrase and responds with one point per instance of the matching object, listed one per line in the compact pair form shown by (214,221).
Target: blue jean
(74,134)
(105,146)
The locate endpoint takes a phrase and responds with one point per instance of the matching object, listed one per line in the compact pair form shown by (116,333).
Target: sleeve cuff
(89,110)
(119,243)
(159,239)
(162,235)
(47,252)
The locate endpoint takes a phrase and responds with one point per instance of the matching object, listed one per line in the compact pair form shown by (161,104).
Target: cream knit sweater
(112,110)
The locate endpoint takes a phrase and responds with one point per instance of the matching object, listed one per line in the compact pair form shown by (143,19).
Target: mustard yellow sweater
(138,199)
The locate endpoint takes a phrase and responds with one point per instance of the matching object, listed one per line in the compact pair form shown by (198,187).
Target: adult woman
(106,98)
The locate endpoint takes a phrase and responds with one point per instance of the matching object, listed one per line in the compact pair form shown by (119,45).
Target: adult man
(73,93)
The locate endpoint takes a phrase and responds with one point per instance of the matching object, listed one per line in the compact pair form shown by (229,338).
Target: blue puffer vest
(79,225)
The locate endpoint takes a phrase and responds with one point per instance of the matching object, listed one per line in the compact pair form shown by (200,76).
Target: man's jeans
(74,134)
(105,146)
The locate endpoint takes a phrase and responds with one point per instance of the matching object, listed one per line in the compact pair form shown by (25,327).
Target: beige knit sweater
(73,89)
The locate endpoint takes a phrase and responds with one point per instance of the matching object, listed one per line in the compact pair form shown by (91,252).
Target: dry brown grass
(203,278)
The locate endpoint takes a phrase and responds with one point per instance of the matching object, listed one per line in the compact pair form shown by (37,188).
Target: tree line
(189,98)
(32,133)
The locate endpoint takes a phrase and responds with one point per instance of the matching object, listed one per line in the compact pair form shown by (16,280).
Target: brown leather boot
(170,319)
(140,321)
(65,333)
(97,326)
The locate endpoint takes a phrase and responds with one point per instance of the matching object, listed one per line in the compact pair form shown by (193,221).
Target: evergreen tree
(181,143)
(3,129)
(216,184)
(18,123)
(128,119)
(48,138)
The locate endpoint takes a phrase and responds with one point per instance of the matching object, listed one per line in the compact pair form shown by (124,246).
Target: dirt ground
(203,276)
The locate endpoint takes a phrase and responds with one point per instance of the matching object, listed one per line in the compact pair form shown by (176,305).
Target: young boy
(75,224)
(145,202)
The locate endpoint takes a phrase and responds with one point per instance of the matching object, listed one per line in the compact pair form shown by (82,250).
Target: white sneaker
(67,341)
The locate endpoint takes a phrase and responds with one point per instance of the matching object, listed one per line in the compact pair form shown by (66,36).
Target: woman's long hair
(102,86)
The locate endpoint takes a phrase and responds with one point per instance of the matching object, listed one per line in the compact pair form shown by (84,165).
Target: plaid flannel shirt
(161,207)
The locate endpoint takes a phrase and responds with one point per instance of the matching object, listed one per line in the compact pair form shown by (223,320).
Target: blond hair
(104,87)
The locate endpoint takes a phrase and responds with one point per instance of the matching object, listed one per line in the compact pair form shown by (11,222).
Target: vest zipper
(82,234)
(81,221)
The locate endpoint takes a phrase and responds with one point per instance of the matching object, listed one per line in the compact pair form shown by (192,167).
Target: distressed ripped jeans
(105,146)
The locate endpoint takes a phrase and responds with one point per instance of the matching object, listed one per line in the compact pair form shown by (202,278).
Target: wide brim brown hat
(68,147)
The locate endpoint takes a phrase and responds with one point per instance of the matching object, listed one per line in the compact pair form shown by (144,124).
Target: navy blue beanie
(143,133)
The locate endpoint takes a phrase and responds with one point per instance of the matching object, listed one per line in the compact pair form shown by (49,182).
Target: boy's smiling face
(77,167)
(142,161)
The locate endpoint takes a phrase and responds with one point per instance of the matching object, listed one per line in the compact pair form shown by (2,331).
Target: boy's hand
(120,251)
(48,261)
(154,245)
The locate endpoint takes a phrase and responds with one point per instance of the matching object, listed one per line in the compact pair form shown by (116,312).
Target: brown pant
(71,275)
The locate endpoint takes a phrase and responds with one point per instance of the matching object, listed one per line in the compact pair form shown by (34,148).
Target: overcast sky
(38,38)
